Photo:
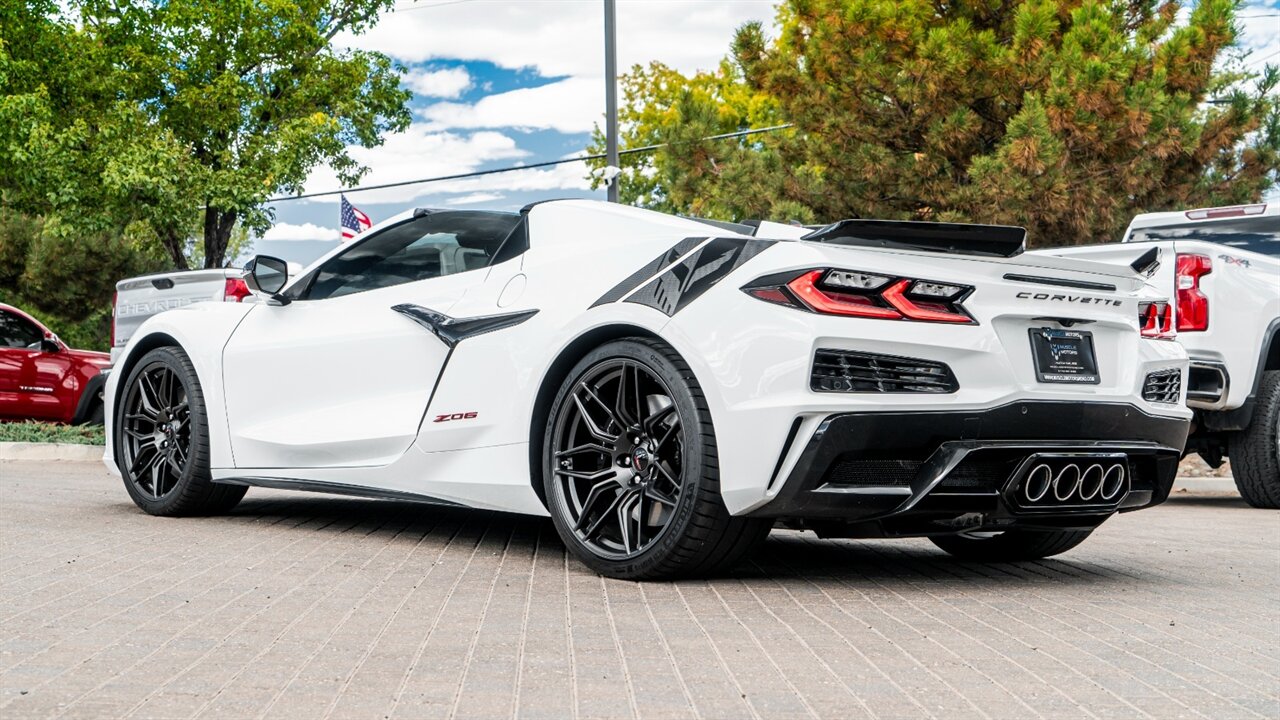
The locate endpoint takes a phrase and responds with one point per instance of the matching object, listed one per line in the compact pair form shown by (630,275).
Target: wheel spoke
(606,473)
(641,499)
(596,431)
(667,474)
(145,437)
(156,474)
(670,433)
(624,522)
(609,510)
(628,390)
(141,461)
(595,447)
(165,391)
(650,423)
(597,491)
(147,396)
(657,495)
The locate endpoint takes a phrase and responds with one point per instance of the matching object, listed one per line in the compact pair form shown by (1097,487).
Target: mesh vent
(856,372)
(873,473)
(1163,386)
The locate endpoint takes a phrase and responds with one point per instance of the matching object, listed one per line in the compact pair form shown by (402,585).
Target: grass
(43,432)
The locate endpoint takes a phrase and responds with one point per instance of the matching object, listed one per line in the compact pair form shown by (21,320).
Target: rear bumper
(920,473)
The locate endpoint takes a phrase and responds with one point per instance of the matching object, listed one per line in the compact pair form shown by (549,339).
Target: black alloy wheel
(161,440)
(631,474)
(618,458)
(156,429)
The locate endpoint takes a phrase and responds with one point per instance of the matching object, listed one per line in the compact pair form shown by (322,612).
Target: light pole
(611,94)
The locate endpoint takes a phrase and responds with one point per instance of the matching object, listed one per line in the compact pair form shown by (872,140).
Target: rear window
(1259,234)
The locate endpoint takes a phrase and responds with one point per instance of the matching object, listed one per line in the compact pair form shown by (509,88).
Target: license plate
(1064,356)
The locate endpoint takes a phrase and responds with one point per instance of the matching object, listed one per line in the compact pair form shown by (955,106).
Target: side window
(16,332)
(434,245)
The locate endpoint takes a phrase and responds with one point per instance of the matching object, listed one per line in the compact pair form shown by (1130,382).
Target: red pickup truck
(43,379)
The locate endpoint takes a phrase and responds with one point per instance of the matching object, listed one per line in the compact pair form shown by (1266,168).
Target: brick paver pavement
(306,606)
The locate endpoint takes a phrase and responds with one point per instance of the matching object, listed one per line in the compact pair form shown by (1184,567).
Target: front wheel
(1255,451)
(630,470)
(162,439)
(1010,545)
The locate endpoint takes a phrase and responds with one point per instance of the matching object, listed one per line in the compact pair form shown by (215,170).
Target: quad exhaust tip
(1092,483)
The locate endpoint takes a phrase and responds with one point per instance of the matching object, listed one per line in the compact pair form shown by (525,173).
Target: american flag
(354,222)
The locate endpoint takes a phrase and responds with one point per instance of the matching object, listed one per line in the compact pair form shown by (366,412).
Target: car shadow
(1221,500)
(788,557)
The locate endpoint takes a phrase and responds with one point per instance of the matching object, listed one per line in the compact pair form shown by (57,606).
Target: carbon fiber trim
(683,283)
(619,291)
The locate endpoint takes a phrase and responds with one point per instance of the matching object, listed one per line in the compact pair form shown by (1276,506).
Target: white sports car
(666,389)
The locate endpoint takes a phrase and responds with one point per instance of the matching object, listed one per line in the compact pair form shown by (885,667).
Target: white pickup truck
(1221,266)
(141,297)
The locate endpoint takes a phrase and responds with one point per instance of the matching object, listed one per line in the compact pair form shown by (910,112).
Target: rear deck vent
(856,372)
(1163,386)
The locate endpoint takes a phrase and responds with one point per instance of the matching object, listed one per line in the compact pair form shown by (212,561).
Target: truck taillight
(865,295)
(234,290)
(1193,305)
(1155,320)
(115,298)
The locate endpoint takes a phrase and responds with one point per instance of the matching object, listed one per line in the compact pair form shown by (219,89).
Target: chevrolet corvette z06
(668,389)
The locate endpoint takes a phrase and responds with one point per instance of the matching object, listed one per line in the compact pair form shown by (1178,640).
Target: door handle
(452,331)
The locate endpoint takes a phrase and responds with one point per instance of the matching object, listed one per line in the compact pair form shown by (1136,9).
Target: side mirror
(50,344)
(266,275)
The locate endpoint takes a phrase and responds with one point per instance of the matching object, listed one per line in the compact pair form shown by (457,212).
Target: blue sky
(505,82)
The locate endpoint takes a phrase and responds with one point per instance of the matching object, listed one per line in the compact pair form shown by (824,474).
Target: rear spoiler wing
(964,239)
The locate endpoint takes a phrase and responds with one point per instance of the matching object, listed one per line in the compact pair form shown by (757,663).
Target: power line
(411,8)
(532,166)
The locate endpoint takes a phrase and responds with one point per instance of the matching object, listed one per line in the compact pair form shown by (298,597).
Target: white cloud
(446,83)
(568,106)
(419,152)
(558,38)
(474,198)
(305,231)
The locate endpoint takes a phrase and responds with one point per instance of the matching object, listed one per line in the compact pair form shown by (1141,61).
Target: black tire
(699,536)
(185,487)
(95,416)
(1255,451)
(1011,545)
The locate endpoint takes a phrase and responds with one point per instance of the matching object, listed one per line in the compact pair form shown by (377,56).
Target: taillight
(234,290)
(1193,305)
(1155,320)
(866,295)
(115,298)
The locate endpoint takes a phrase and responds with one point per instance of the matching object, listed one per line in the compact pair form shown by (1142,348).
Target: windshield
(1260,234)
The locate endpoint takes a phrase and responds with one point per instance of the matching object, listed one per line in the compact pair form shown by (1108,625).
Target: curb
(68,452)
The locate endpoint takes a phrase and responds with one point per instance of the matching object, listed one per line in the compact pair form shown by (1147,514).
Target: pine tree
(1064,117)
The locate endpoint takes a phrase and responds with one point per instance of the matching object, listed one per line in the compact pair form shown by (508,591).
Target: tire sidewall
(197,467)
(694,458)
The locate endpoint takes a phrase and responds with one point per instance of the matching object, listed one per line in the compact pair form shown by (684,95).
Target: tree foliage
(1067,117)
(184,114)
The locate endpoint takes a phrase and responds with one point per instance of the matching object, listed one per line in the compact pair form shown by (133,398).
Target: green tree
(182,112)
(1066,117)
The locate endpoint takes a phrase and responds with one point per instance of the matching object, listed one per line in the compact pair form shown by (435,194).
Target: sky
(498,83)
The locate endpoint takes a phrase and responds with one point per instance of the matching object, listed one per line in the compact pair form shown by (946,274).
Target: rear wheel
(630,468)
(162,440)
(1255,451)
(1010,545)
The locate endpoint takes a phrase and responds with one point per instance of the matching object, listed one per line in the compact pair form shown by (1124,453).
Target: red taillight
(865,295)
(806,288)
(1193,305)
(1155,320)
(115,298)
(234,290)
